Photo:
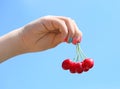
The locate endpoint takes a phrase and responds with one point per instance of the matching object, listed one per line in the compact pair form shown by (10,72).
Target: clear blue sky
(99,20)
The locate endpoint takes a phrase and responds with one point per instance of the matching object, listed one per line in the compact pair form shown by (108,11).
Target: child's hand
(47,32)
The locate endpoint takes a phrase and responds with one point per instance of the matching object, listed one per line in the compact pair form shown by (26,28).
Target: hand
(41,34)
(47,32)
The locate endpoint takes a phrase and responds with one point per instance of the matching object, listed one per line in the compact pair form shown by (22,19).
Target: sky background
(99,20)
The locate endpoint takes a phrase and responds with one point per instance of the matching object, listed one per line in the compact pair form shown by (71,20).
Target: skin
(39,35)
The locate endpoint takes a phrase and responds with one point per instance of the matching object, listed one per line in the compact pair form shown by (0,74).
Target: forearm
(10,45)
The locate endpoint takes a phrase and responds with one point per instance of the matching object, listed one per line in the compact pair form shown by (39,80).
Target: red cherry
(85,68)
(66,64)
(79,68)
(88,63)
(73,67)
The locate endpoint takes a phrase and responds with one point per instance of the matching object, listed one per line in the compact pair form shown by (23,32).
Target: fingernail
(76,40)
(79,40)
(65,40)
(70,40)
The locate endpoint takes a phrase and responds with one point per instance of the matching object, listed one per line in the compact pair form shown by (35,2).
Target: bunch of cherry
(75,65)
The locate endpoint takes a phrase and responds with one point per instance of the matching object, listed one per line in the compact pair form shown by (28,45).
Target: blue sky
(98,20)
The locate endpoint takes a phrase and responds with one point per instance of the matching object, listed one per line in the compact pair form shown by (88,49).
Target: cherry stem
(80,52)
(77,57)
(77,52)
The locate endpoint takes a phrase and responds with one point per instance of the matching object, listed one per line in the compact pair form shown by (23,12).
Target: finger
(70,26)
(78,34)
(61,26)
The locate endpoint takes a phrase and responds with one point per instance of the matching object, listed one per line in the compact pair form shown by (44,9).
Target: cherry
(87,63)
(79,68)
(73,67)
(85,69)
(76,67)
(66,64)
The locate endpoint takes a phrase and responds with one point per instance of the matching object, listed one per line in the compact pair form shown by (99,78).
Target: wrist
(11,45)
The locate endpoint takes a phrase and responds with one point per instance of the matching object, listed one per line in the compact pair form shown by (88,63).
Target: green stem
(81,53)
(77,54)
